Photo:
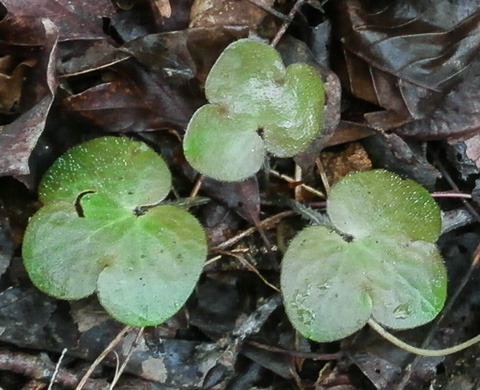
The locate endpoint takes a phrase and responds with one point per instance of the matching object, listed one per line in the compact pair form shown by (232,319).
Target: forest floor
(402,87)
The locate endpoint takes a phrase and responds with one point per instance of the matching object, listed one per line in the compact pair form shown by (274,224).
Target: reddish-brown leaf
(74,19)
(18,138)
(402,56)
(458,114)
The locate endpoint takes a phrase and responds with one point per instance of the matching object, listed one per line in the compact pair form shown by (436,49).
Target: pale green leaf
(378,201)
(380,263)
(99,231)
(256,106)
(108,166)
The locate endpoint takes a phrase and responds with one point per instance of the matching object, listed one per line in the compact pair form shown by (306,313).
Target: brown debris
(352,159)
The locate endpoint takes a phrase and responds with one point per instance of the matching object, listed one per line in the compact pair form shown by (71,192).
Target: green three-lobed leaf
(256,106)
(380,261)
(100,229)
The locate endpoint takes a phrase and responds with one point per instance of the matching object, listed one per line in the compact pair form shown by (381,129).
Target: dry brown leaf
(209,13)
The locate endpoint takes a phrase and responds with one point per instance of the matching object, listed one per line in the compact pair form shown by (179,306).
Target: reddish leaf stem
(451,195)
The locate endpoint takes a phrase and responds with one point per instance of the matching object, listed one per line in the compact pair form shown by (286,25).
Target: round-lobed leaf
(237,150)
(108,166)
(143,261)
(162,257)
(316,282)
(62,253)
(380,263)
(256,106)
(246,78)
(385,202)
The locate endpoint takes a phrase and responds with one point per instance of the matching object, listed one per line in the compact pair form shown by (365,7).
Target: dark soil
(402,83)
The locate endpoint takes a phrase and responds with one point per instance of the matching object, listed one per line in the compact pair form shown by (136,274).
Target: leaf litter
(99,80)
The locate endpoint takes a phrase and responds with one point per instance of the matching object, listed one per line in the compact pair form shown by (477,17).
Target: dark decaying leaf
(464,155)
(18,139)
(116,106)
(25,309)
(396,56)
(217,309)
(22,31)
(405,158)
(320,41)
(79,57)
(135,100)
(176,19)
(166,53)
(243,196)
(458,114)
(137,19)
(12,75)
(7,246)
(176,362)
(348,131)
(74,19)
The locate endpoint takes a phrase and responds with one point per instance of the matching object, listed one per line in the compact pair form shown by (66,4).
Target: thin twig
(117,368)
(252,268)
(291,180)
(298,354)
(119,372)
(298,178)
(218,257)
(196,187)
(283,28)
(323,175)
(102,356)
(57,367)
(266,224)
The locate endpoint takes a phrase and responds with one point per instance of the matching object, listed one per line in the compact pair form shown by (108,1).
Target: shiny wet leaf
(256,106)
(377,260)
(102,231)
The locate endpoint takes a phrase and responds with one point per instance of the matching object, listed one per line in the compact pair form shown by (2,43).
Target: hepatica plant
(102,230)
(377,261)
(256,105)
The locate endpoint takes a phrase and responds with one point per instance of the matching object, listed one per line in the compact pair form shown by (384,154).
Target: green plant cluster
(103,228)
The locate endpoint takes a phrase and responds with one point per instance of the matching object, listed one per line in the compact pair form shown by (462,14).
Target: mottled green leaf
(381,262)
(108,166)
(256,106)
(98,231)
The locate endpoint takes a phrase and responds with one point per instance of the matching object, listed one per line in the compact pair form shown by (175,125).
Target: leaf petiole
(421,351)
